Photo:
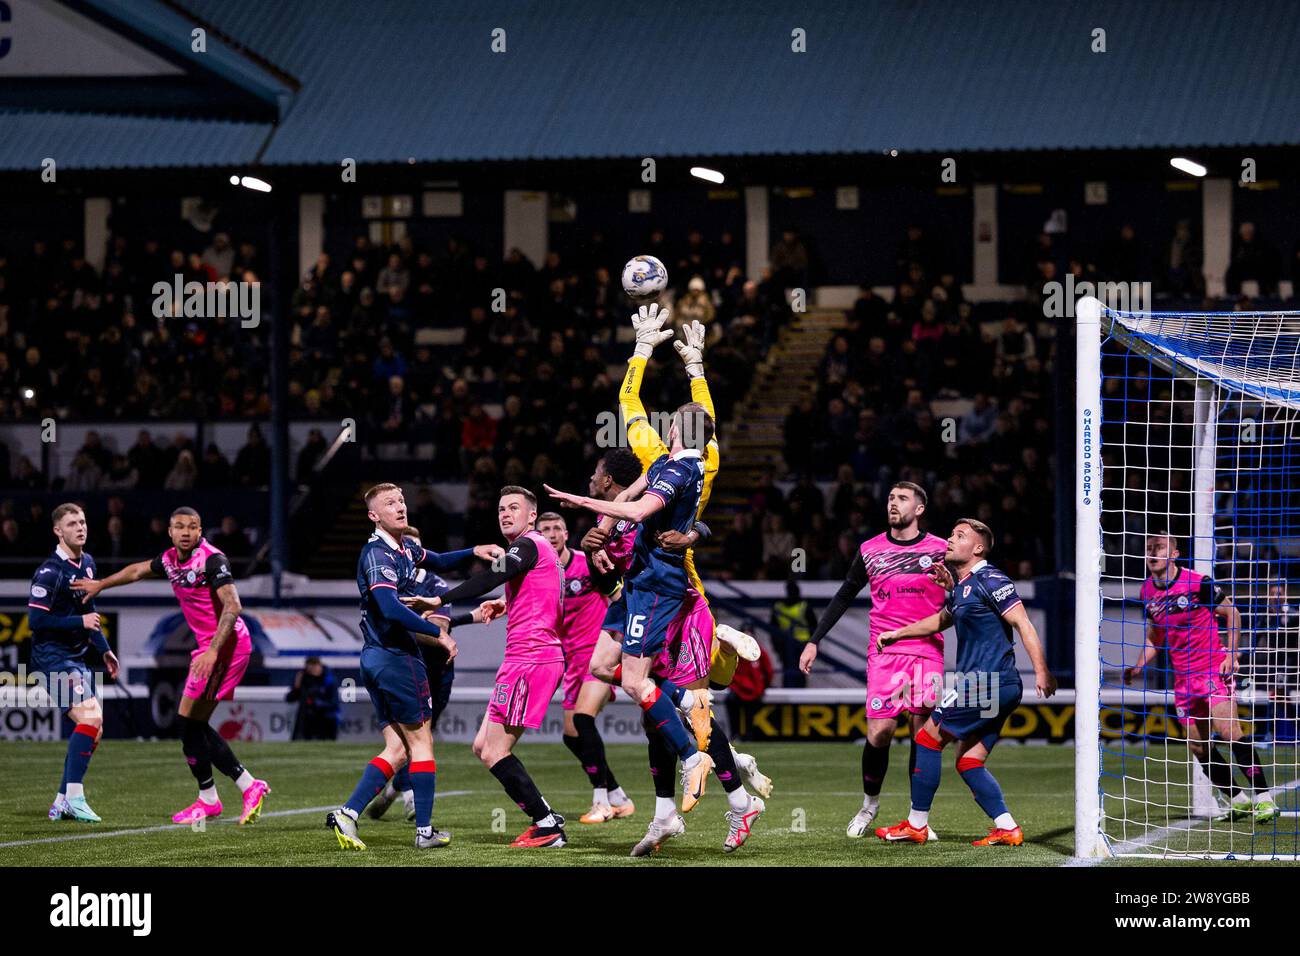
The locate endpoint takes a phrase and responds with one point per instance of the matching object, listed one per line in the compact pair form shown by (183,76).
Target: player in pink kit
(585,695)
(1183,610)
(533,665)
(204,585)
(907,675)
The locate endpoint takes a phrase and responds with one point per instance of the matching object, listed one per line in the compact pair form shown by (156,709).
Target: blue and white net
(1200,424)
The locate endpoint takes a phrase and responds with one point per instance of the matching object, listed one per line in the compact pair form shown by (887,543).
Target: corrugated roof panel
(386,80)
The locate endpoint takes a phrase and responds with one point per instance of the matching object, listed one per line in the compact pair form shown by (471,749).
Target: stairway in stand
(753,439)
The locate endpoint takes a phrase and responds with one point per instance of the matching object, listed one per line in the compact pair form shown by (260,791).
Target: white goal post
(1187,432)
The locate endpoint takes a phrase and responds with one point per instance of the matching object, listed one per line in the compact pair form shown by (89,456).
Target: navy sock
(984,786)
(423,776)
(875,761)
(669,723)
(80,746)
(674,692)
(663,763)
(377,773)
(402,779)
(925,778)
(724,762)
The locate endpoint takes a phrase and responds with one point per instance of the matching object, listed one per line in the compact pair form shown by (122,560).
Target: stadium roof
(314,81)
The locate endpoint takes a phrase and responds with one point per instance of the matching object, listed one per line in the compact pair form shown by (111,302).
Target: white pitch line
(163,827)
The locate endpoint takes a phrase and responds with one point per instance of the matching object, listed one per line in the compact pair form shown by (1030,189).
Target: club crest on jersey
(1182,602)
(575,585)
(926,561)
(877,703)
(388,573)
(965,592)
(190,577)
(38,591)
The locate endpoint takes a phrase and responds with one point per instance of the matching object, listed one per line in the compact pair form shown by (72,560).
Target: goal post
(1187,435)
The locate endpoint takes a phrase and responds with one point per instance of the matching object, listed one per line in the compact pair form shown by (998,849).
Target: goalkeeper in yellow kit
(694,658)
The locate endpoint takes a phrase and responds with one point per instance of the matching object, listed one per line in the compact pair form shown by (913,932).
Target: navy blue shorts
(68,679)
(648,617)
(398,685)
(973,719)
(616,615)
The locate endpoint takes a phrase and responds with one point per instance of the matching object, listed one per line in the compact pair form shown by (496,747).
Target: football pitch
(136,786)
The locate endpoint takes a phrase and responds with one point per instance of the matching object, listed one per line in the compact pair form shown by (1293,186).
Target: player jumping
(204,586)
(1183,610)
(585,695)
(64,625)
(907,675)
(391,666)
(984,605)
(533,665)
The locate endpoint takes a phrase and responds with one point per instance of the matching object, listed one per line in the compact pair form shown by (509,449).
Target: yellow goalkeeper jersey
(646,443)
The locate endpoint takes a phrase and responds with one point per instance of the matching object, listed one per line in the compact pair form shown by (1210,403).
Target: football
(644,277)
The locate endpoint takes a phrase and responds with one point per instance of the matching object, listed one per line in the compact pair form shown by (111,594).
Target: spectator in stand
(315,690)
(789,261)
(696,305)
(253,462)
(741,548)
(231,539)
(745,694)
(184,473)
(1254,259)
(793,622)
(778,547)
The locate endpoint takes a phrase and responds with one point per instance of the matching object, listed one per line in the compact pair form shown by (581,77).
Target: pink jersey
(1181,613)
(584,606)
(195,583)
(535,609)
(622,542)
(902,591)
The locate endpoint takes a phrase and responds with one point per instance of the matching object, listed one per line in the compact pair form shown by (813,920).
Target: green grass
(134,785)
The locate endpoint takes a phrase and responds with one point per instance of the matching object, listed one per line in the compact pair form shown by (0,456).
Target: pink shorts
(577,671)
(1196,695)
(899,682)
(687,653)
(226,673)
(522,692)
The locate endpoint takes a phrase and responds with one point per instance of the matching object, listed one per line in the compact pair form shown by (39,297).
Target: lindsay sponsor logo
(77,909)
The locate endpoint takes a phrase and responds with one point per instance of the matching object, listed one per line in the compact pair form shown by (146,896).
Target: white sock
(738,799)
(871,804)
(75,790)
(688,700)
(408,798)
(691,761)
(599,795)
(919,818)
(208,795)
(1005,821)
(349,813)
(665,808)
(61,795)
(617,797)
(245,781)
(425,832)
(548,821)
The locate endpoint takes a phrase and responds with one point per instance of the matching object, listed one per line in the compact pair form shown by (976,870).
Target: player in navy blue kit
(392,667)
(982,602)
(64,624)
(439,662)
(665,498)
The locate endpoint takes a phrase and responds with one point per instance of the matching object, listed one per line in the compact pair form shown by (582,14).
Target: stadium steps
(336,555)
(754,439)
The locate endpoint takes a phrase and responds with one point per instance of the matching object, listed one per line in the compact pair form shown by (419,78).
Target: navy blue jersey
(679,481)
(52,593)
(383,566)
(977,603)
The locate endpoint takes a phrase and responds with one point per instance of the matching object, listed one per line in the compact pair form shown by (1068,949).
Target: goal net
(1188,543)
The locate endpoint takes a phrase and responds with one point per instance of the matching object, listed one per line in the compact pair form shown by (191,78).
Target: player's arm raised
(635,509)
(521,557)
(644,441)
(1018,618)
(128,575)
(854,581)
